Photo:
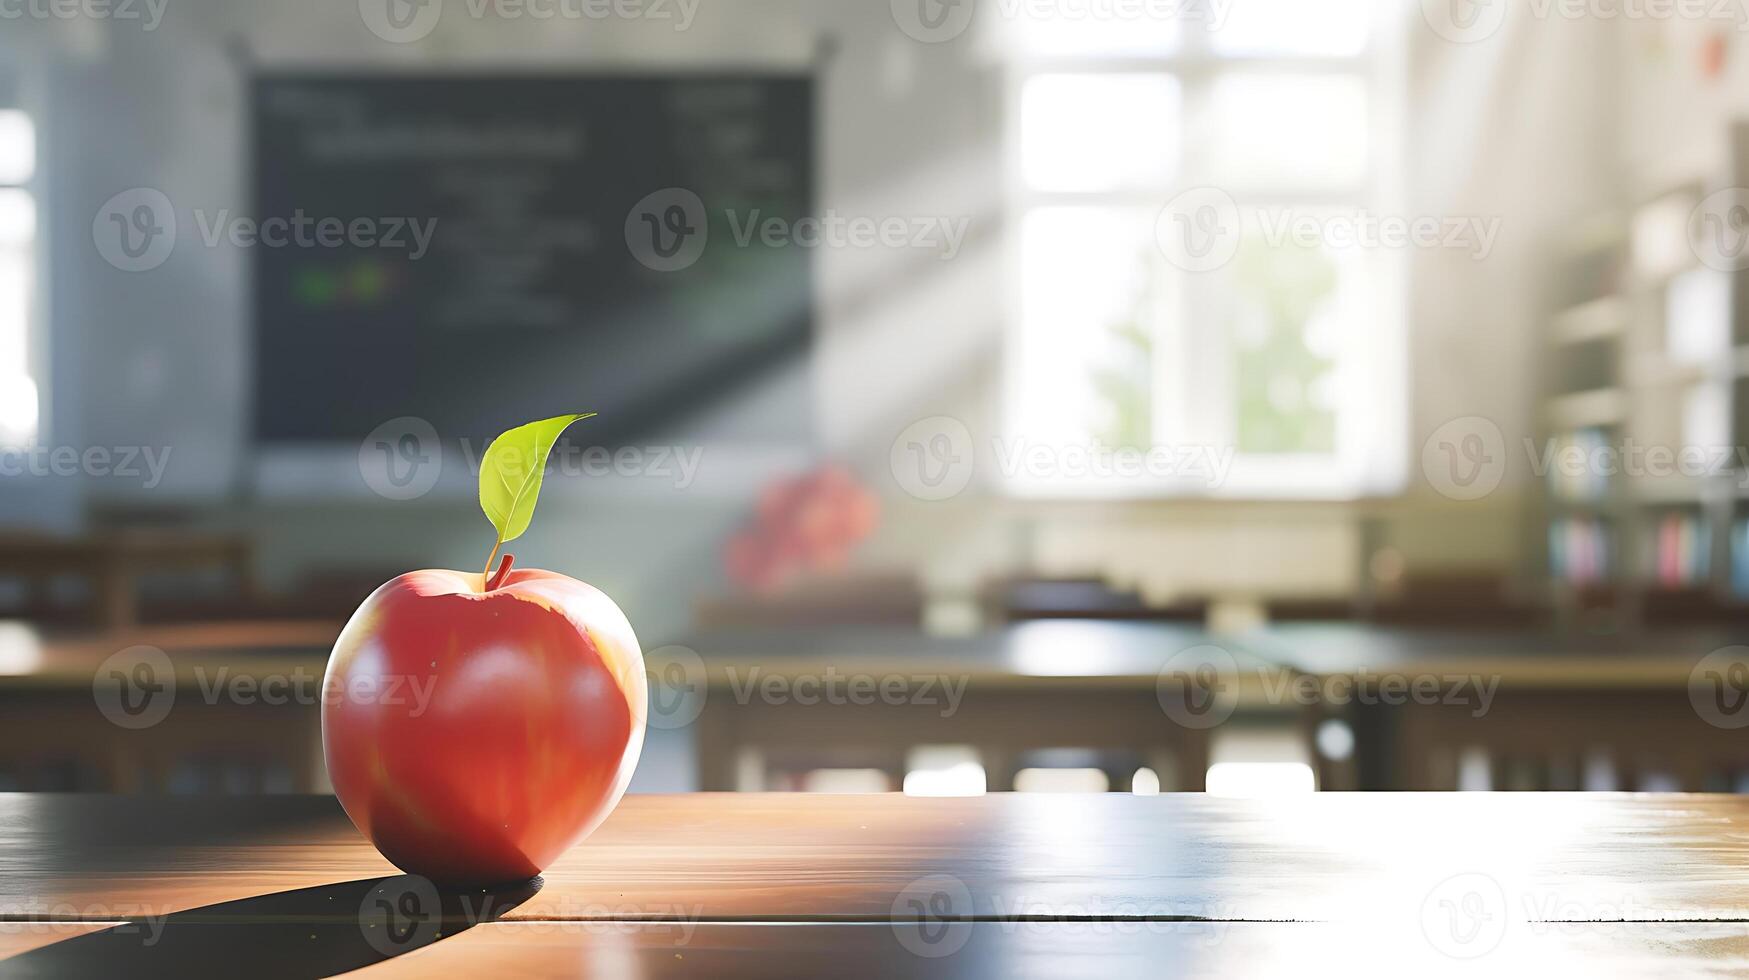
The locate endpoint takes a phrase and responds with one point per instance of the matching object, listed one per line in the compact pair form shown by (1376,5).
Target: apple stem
(498,577)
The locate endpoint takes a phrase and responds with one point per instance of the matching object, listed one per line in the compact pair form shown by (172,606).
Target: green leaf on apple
(511,473)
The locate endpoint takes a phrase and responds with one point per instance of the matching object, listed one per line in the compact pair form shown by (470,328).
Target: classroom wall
(1676,116)
(1522,126)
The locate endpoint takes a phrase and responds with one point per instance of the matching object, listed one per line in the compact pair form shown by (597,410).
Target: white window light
(1287,109)
(19,397)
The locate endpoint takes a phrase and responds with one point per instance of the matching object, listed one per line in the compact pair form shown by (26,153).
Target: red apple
(475,730)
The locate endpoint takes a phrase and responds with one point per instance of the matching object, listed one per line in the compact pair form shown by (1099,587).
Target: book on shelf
(1681,552)
(1580,550)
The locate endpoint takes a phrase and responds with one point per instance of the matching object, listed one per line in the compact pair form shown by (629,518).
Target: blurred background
(1251,396)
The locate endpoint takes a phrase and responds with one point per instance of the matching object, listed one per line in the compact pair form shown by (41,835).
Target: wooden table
(1531,708)
(762,698)
(51,718)
(807,886)
(112,561)
(1558,701)
(1564,709)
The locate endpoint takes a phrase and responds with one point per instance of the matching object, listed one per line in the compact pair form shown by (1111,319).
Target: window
(18,391)
(1272,367)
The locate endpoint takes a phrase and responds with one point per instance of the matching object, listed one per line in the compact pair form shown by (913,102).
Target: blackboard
(540,288)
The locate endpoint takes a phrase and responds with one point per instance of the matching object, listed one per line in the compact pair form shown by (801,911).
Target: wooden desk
(789,885)
(1564,710)
(1556,699)
(761,701)
(51,718)
(112,561)
(1045,685)
(1550,657)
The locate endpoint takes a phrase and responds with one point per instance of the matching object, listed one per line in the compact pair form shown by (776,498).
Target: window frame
(33,362)
(1370,457)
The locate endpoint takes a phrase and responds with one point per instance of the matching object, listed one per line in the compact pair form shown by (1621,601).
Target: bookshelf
(1646,400)
(1585,407)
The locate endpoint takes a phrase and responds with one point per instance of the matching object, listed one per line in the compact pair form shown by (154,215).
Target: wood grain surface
(1324,857)
(1049,951)
(807,886)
